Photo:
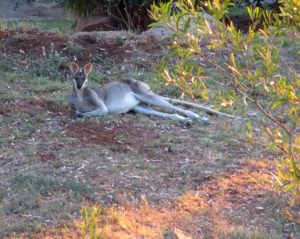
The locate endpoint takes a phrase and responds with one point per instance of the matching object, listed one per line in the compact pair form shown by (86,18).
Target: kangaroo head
(80,76)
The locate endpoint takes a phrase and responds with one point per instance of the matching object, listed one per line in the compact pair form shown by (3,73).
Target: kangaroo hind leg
(159,101)
(147,110)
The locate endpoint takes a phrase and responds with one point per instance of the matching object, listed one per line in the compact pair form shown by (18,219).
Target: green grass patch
(45,185)
(243,233)
(57,25)
(60,97)
(25,86)
(96,77)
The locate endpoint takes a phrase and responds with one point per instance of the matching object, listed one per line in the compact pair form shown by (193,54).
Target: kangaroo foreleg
(94,113)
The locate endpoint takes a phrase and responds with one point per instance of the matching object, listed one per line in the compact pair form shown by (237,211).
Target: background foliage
(247,70)
(135,13)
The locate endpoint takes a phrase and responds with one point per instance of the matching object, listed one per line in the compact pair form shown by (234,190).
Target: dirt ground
(161,178)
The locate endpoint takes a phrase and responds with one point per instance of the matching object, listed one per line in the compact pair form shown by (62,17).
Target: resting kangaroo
(120,97)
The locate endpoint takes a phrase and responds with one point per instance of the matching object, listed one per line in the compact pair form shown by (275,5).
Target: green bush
(132,13)
(220,63)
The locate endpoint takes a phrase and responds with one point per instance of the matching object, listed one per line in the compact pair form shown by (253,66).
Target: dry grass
(230,206)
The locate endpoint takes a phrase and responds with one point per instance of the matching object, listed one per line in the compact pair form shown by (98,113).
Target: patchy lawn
(153,177)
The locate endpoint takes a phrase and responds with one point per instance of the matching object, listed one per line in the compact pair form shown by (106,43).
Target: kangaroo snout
(79,82)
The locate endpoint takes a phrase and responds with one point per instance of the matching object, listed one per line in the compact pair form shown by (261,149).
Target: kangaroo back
(118,97)
(137,87)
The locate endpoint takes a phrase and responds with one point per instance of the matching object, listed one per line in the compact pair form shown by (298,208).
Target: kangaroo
(120,97)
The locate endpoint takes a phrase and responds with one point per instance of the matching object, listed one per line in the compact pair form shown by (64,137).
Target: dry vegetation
(153,177)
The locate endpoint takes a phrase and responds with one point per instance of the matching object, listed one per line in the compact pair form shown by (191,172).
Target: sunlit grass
(194,214)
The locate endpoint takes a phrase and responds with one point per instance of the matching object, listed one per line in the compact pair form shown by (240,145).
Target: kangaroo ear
(88,68)
(74,68)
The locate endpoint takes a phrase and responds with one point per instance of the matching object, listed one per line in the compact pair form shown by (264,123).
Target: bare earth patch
(31,42)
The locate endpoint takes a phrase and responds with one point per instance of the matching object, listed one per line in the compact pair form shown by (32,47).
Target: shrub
(132,13)
(90,219)
(256,68)
(49,65)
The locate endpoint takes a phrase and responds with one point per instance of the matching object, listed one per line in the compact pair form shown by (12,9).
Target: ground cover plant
(127,176)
